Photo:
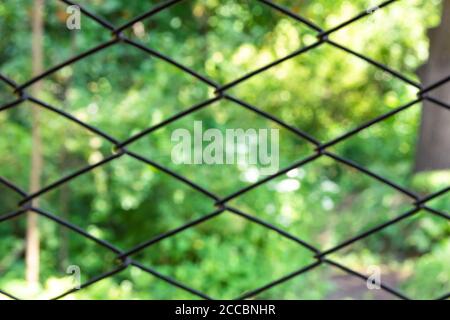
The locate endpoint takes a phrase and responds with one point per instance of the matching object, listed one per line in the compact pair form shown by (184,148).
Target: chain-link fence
(124,258)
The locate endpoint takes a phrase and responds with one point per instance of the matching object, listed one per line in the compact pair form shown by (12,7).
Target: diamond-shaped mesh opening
(77,149)
(203,28)
(205,261)
(351,91)
(94,87)
(60,43)
(137,207)
(208,164)
(300,200)
(405,54)
(397,137)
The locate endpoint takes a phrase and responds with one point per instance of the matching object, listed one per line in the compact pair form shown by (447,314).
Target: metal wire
(222,203)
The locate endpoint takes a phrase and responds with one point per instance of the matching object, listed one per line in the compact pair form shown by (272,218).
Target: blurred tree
(434,140)
(32,246)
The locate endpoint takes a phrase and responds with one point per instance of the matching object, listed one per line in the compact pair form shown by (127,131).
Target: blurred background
(325,92)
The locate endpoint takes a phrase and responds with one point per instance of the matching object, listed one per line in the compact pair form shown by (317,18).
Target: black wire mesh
(321,150)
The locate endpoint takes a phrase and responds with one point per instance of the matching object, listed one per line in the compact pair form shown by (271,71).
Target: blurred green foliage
(122,91)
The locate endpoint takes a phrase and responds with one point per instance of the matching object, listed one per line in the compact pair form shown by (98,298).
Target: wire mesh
(124,257)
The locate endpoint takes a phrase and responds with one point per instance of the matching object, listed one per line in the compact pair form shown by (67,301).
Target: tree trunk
(64,196)
(433,152)
(32,236)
